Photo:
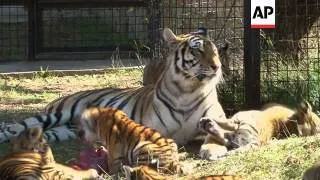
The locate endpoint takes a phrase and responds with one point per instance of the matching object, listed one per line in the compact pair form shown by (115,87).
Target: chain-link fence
(290,54)
(13,30)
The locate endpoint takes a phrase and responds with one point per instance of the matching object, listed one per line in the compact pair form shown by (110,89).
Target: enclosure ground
(22,97)
(66,65)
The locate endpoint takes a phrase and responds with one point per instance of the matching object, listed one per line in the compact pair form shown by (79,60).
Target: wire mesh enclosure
(290,54)
(13,30)
(290,63)
(87,29)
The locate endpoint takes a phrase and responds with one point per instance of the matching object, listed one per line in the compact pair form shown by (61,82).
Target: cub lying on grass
(256,127)
(32,158)
(128,143)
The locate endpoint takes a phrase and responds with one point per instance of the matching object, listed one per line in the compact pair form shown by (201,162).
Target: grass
(22,97)
(281,159)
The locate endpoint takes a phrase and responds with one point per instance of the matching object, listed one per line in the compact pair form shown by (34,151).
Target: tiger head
(308,122)
(193,59)
(30,140)
(88,124)
(98,125)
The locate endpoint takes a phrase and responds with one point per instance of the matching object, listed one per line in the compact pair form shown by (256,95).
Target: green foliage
(42,73)
(281,159)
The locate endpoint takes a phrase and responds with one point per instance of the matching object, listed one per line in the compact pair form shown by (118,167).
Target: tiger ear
(304,106)
(168,36)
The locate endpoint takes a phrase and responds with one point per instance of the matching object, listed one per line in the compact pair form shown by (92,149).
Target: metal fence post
(31,30)
(251,60)
(154,22)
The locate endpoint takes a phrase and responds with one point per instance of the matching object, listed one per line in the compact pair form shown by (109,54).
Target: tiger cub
(32,158)
(147,173)
(254,128)
(30,140)
(128,143)
(29,165)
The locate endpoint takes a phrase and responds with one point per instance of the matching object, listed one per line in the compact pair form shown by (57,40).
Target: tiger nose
(215,67)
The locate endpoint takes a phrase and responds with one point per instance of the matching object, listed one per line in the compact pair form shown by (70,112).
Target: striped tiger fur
(255,128)
(30,165)
(221,177)
(36,161)
(31,140)
(129,143)
(143,172)
(153,70)
(185,92)
(32,158)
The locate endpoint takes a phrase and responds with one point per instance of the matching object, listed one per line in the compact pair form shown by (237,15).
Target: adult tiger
(185,92)
(128,142)
(256,127)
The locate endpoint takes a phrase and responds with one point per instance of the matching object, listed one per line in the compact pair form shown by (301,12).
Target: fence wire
(13,30)
(290,67)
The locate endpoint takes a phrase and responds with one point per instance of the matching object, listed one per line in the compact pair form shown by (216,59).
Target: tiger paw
(209,126)
(212,151)
(204,124)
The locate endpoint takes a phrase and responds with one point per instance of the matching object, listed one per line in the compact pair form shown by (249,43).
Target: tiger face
(30,140)
(87,126)
(308,122)
(195,57)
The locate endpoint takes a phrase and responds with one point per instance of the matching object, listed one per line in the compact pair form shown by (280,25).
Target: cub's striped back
(128,142)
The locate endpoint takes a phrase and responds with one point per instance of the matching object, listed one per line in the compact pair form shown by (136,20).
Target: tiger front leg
(211,149)
(212,128)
